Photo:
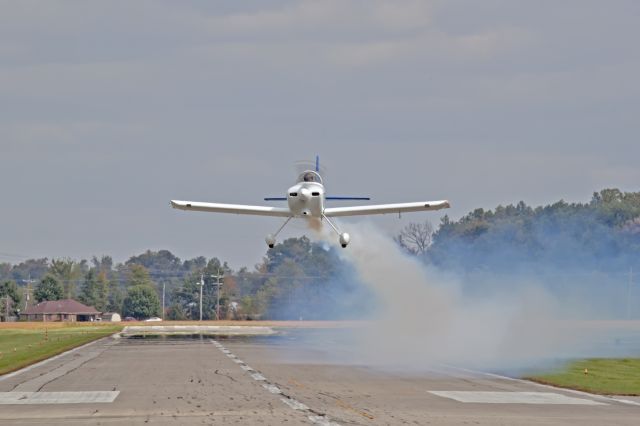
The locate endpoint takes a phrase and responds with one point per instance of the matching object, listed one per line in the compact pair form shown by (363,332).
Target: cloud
(479,102)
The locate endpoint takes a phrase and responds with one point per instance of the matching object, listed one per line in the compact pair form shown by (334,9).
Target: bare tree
(415,238)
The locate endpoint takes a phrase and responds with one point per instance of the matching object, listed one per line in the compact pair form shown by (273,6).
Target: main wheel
(344,239)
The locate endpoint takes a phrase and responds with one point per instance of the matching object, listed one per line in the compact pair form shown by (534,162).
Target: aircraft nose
(305,193)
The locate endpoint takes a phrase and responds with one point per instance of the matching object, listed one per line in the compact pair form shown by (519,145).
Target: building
(111,317)
(60,310)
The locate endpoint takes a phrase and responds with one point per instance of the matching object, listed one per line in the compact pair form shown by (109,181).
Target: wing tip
(437,205)
(178,204)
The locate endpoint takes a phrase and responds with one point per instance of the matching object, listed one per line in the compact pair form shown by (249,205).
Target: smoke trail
(424,318)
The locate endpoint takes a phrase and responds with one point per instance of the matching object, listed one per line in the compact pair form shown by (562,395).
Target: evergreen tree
(141,302)
(49,288)
(10,289)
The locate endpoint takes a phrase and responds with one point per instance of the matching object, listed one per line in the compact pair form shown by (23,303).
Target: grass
(22,344)
(605,376)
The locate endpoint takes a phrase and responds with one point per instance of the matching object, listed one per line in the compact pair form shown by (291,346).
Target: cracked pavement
(269,380)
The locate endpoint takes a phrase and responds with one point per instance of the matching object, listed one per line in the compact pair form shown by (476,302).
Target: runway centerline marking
(296,405)
(258,377)
(272,388)
(491,397)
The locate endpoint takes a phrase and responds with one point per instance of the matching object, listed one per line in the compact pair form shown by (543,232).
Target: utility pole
(6,309)
(218,296)
(28,281)
(163,287)
(201,286)
(629,292)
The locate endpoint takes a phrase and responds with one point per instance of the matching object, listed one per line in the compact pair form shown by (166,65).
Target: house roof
(65,306)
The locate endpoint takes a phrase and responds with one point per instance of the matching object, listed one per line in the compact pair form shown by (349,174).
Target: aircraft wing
(386,208)
(230,208)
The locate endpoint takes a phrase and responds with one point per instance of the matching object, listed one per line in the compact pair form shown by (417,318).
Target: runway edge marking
(530,382)
(290,402)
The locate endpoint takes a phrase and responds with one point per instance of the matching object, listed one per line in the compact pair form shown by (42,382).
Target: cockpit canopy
(310,176)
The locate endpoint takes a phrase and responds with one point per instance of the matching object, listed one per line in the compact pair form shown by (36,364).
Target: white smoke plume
(424,319)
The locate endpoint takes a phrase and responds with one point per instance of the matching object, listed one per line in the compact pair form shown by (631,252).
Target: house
(111,317)
(60,310)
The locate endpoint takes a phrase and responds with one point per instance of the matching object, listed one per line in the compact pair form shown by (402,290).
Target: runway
(269,380)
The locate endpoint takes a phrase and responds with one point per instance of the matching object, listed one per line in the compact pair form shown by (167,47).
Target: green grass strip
(605,376)
(22,347)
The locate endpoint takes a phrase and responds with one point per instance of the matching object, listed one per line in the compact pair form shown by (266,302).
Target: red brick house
(60,310)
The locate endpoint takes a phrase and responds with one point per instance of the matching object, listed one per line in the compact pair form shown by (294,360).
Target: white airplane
(306,199)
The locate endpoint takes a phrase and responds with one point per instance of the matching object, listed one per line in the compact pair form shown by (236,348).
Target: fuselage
(306,198)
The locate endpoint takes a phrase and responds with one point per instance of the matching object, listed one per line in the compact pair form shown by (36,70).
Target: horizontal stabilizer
(348,198)
(275,199)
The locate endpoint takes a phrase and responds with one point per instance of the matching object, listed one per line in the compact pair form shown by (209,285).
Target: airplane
(306,199)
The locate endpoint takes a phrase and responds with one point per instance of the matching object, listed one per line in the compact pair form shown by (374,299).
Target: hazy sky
(110,109)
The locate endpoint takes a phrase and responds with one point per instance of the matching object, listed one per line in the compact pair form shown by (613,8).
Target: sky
(110,109)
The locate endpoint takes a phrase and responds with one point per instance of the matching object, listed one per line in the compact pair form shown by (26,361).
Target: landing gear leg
(343,237)
(271,238)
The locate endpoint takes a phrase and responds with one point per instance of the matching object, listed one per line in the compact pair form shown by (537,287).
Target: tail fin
(318,163)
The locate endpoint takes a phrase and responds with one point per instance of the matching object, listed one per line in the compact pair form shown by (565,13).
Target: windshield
(310,176)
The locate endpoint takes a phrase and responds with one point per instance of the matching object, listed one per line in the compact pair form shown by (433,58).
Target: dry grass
(282,324)
(276,324)
(48,325)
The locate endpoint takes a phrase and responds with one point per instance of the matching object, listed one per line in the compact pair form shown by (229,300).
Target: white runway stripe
(296,405)
(272,388)
(322,421)
(258,376)
(57,397)
(602,398)
(486,397)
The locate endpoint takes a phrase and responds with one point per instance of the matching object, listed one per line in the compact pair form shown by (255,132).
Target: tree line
(300,278)
(601,235)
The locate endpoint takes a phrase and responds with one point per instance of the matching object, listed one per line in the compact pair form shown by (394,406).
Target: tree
(49,288)
(95,290)
(176,312)
(68,272)
(416,238)
(141,302)
(104,264)
(103,289)
(138,276)
(5,270)
(561,236)
(10,289)
(89,289)
(115,299)
(31,269)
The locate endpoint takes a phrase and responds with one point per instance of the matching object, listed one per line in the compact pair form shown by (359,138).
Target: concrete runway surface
(269,380)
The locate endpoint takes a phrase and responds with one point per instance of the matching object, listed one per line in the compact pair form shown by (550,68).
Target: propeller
(304,165)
